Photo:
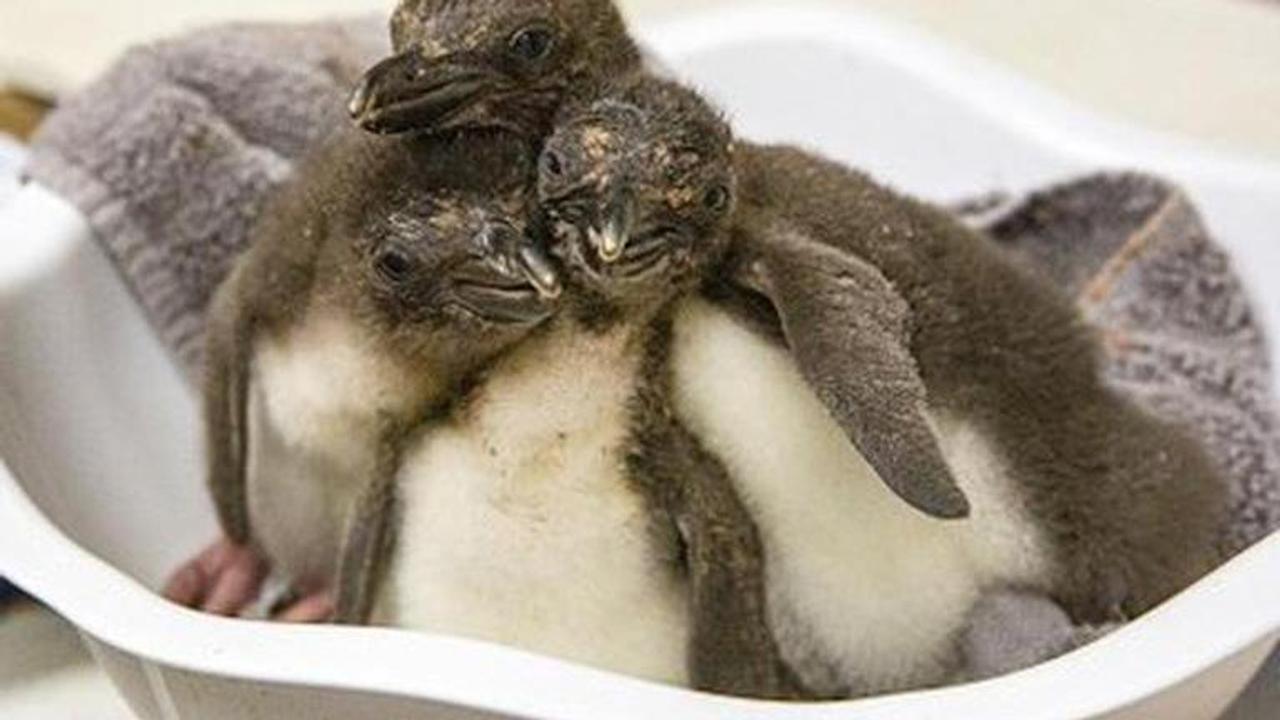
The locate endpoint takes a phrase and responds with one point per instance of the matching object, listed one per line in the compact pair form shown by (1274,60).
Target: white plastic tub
(100,492)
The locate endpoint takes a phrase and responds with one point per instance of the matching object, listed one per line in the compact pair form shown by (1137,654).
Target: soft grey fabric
(172,153)
(1181,336)
(1011,629)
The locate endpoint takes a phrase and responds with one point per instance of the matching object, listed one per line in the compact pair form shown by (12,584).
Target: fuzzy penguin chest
(314,401)
(864,593)
(520,525)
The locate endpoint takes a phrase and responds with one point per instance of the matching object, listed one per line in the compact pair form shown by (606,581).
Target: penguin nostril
(575,213)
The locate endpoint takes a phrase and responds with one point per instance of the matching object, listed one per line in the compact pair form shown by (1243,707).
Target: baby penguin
(377,283)
(559,507)
(862,593)
(637,190)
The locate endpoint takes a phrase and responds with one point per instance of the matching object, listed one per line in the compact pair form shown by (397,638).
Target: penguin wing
(226,399)
(847,328)
(371,533)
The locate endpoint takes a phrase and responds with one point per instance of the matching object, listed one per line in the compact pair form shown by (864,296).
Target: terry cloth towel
(171,154)
(1180,335)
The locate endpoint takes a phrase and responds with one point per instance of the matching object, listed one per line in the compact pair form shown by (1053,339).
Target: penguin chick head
(442,279)
(485,63)
(637,191)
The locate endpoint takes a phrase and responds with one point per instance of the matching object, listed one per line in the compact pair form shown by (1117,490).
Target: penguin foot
(224,579)
(232,581)
(308,609)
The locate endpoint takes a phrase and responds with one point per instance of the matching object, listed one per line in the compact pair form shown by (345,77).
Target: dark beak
(411,92)
(541,272)
(509,252)
(610,238)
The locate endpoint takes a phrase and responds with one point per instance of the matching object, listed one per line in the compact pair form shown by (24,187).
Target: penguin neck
(567,380)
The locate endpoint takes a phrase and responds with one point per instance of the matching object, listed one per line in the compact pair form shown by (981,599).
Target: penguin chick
(931,351)
(637,189)
(377,281)
(1045,460)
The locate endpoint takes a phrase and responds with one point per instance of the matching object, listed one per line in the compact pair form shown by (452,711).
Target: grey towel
(171,154)
(1180,334)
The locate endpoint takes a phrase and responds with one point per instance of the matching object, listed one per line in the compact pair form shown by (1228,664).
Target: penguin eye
(553,163)
(717,199)
(532,43)
(393,265)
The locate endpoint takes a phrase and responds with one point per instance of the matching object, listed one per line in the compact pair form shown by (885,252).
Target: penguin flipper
(732,649)
(226,397)
(370,535)
(847,328)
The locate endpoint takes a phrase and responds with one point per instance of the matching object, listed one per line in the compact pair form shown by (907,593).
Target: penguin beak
(511,253)
(610,238)
(540,272)
(410,91)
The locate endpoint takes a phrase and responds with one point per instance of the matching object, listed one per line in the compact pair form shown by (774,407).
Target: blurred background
(1205,69)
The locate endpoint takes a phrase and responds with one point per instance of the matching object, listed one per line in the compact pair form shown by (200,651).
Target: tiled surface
(1206,68)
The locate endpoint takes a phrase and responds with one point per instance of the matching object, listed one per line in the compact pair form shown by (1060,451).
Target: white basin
(101,492)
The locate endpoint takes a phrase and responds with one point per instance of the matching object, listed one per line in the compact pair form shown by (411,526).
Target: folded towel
(171,154)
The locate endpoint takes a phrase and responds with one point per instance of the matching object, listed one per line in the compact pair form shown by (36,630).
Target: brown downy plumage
(1131,505)
(378,280)
(898,316)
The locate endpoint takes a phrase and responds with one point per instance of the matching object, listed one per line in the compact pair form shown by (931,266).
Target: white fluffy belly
(521,528)
(864,591)
(315,395)
(298,501)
